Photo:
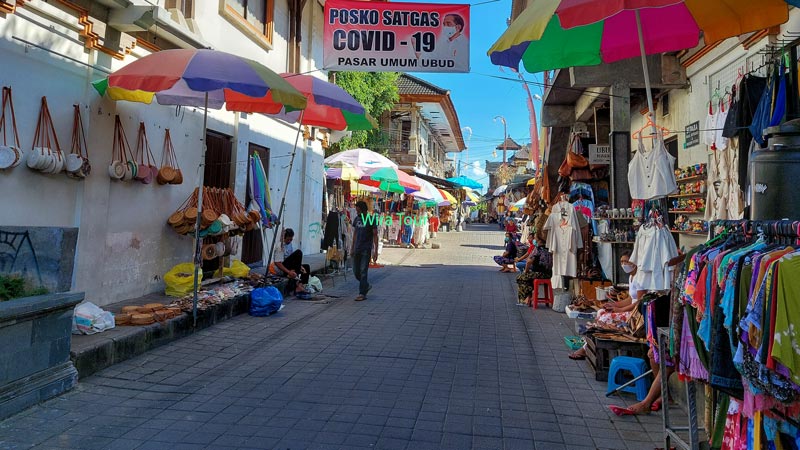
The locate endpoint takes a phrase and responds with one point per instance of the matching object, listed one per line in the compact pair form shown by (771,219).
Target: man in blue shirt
(365,245)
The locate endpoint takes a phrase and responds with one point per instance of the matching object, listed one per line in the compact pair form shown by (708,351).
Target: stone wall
(35,336)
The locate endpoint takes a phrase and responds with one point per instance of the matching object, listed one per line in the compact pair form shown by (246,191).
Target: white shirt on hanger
(650,172)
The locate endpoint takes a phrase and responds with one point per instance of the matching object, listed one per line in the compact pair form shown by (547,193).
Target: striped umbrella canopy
(554,34)
(185,76)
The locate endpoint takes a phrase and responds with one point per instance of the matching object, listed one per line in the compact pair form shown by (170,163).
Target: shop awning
(438,182)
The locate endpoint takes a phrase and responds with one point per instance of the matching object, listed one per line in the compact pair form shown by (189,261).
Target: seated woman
(619,311)
(538,265)
(509,255)
(520,261)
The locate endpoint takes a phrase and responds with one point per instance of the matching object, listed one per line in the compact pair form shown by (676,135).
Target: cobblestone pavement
(439,357)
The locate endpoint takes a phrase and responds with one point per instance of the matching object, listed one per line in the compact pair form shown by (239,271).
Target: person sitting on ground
(617,311)
(538,266)
(288,262)
(509,255)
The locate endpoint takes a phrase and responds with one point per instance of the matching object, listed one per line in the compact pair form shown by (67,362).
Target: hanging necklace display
(10,155)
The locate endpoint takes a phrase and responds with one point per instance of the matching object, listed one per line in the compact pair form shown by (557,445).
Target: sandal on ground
(575,357)
(620,411)
(656,406)
(361,298)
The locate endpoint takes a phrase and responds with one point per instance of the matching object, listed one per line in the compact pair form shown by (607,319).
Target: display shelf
(687,195)
(690,233)
(690,179)
(613,218)
(686,211)
(598,241)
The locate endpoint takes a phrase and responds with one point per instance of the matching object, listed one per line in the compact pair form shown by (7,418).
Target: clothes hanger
(650,124)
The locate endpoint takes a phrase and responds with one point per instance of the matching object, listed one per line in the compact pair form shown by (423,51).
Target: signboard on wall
(396,37)
(599,154)
(692,134)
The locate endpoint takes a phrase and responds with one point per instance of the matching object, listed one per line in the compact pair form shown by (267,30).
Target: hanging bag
(143,172)
(44,157)
(77,162)
(120,168)
(10,155)
(168,172)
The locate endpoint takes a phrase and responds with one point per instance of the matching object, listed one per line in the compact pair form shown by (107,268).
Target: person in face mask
(621,310)
(453,42)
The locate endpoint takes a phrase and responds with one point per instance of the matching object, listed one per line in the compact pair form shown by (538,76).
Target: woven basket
(122,319)
(142,319)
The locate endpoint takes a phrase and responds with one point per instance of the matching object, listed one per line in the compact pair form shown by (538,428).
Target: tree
(377,91)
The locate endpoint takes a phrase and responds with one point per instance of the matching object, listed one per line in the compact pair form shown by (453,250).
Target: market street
(438,357)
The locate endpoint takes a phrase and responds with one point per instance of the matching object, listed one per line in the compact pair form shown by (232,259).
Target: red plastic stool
(548,292)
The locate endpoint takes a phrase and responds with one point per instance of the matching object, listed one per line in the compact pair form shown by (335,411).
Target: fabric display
(650,172)
(733,327)
(563,240)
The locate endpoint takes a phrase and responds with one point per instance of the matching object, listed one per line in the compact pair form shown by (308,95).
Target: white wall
(124,245)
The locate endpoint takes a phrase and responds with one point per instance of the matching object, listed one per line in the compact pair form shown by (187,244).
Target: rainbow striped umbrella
(185,76)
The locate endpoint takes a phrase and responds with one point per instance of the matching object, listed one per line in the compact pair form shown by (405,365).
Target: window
(665,105)
(253,17)
(186,7)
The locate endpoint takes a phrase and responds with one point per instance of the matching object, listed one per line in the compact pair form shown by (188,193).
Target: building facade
(110,239)
(423,127)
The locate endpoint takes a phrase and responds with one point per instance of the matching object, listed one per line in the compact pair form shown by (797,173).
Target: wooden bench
(600,352)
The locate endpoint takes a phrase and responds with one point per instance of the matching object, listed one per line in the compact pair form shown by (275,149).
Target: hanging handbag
(10,155)
(44,157)
(77,162)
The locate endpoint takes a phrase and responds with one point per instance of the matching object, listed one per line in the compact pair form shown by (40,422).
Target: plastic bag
(179,280)
(237,269)
(314,285)
(265,301)
(90,319)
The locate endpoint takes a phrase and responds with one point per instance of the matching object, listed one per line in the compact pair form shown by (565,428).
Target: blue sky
(478,97)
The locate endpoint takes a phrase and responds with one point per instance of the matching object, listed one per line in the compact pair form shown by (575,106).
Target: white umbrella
(360,157)
(500,190)
(428,191)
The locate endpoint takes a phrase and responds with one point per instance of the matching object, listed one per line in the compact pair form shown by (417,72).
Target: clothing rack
(778,231)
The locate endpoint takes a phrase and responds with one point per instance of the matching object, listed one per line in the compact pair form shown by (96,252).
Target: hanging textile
(650,172)
(563,240)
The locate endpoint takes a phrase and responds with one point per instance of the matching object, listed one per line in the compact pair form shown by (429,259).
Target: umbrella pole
(197,257)
(646,71)
(286,187)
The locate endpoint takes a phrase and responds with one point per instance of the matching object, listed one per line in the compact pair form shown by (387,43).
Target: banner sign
(395,37)
(599,154)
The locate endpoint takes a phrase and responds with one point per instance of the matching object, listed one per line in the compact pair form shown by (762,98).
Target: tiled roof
(491,166)
(510,144)
(411,85)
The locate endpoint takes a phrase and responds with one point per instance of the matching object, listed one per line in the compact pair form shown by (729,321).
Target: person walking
(365,245)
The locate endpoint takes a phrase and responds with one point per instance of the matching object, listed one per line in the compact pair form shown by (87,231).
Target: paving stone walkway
(439,357)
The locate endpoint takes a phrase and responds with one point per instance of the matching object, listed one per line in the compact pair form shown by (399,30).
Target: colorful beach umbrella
(555,34)
(448,197)
(360,157)
(465,182)
(392,175)
(184,76)
(518,204)
(343,171)
(428,191)
(329,106)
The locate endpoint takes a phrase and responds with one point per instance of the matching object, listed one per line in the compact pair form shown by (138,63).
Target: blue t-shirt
(364,235)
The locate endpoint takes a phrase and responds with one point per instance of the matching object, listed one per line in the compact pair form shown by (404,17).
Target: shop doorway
(252,247)
(218,173)
(672,149)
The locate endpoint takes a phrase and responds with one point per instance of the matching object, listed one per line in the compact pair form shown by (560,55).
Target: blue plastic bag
(265,301)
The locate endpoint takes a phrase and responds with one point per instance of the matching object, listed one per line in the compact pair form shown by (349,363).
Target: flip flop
(655,406)
(573,357)
(620,411)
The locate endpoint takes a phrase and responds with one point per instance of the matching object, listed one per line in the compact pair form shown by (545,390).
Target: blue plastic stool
(636,367)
